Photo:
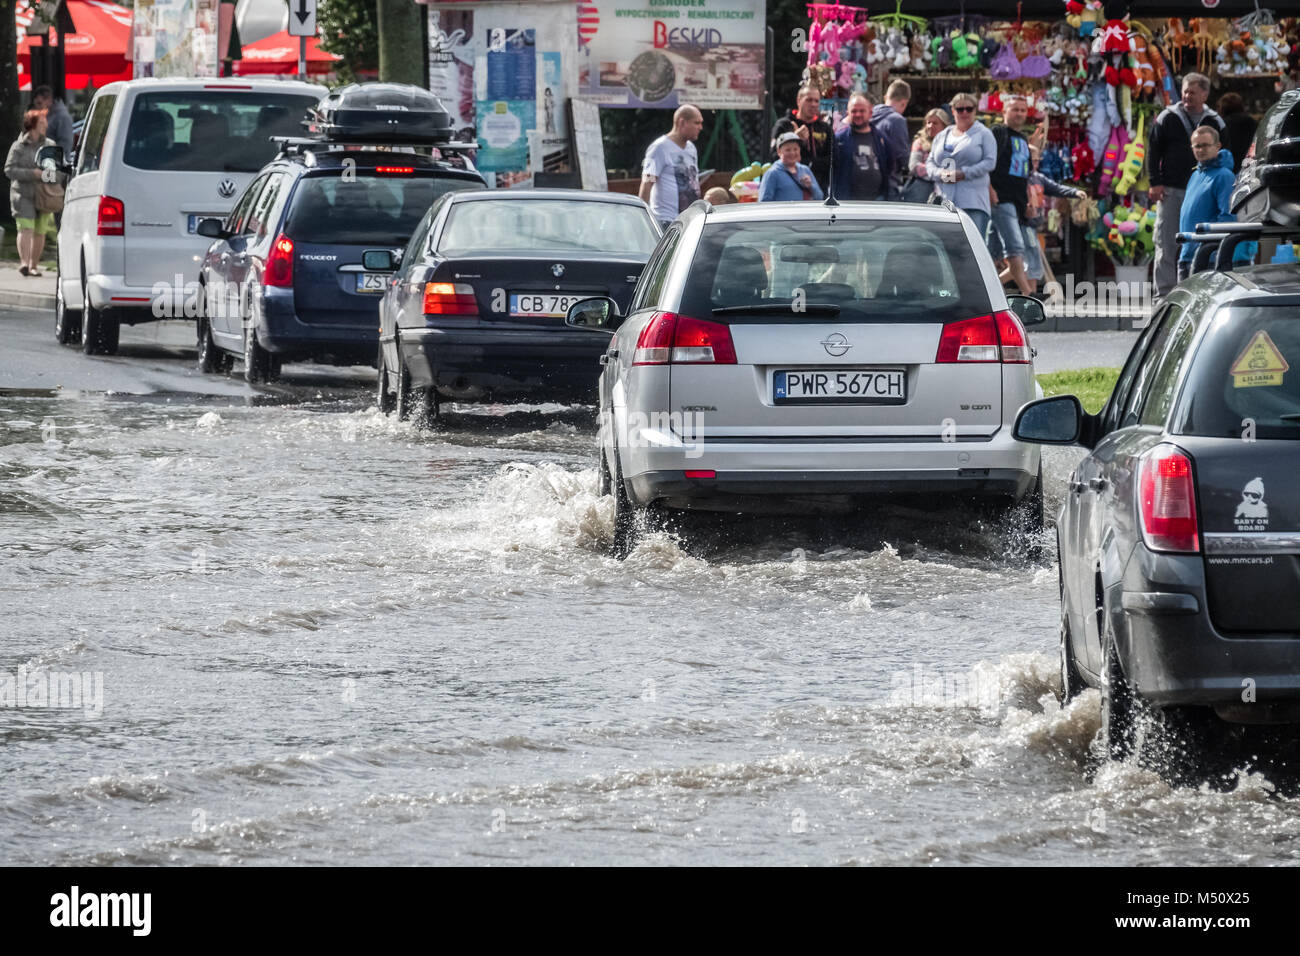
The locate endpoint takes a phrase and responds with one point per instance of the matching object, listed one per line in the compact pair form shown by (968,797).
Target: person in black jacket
(1170,164)
(863,156)
(1238,127)
(815,134)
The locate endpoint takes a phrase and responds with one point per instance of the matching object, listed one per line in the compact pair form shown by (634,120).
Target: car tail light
(1167,501)
(394,170)
(680,340)
(1011,335)
(112,217)
(446,298)
(987,338)
(279,263)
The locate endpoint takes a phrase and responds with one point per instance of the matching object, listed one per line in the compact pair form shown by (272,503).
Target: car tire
(425,407)
(1119,704)
(212,359)
(631,522)
(260,366)
(405,399)
(383,397)
(1072,682)
(67,322)
(99,330)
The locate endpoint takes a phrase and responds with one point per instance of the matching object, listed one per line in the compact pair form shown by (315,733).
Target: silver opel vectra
(787,356)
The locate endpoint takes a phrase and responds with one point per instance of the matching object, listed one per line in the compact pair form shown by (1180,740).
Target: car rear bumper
(655,467)
(1171,651)
(475,364)
(135,304)
(282,331)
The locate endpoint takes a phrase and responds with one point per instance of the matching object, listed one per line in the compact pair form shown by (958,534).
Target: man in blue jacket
(1209,191)
(862,158)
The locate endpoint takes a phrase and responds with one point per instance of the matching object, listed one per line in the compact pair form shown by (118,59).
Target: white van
(156,156)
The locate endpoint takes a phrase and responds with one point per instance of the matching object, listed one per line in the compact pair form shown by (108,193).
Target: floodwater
(322,636)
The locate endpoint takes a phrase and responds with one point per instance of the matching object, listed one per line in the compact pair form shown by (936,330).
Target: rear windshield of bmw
(1246,376)
(367,207)
(211,130)
(871,271)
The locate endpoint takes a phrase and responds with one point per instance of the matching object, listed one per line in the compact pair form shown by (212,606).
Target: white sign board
(302,18)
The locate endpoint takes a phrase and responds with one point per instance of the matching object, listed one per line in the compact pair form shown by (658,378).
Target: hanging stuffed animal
(1115,47)
(814,43)
(1005,66)
(1082,161)
(1144,68)
(1111,158)
(1135,154)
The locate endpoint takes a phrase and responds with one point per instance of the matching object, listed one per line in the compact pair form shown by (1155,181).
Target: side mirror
(50,155)
(380,260)
(599,314)
(1059,420)
(1027,309)
(210,227)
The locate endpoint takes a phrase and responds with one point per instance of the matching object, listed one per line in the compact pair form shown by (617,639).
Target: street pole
(302,58)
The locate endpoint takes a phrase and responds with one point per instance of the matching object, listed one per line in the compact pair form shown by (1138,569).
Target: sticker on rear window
(1259,364)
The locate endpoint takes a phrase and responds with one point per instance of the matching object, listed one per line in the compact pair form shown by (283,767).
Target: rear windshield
(211,130)
(368,210)
(548,225)
(873,271)
(1247,370)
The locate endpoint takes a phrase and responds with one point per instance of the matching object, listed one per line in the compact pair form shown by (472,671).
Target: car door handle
(1098,484)
(1077,486)
(609,356)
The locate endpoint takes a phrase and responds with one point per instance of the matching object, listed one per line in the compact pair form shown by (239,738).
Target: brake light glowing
(446,298)
(987,338)
(1167,501)
(680,340)
(394,170)
(112,217)
(279,263)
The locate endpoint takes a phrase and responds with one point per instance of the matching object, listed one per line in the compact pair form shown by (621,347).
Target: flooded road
(327,637)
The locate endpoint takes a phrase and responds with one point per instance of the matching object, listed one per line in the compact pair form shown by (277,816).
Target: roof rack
(298,145)
(1221,239)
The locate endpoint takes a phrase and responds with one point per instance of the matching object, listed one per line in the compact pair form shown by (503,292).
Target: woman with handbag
(919,187)
(30,195)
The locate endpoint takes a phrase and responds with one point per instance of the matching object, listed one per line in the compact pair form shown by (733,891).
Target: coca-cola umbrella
(278,53)
(93,55)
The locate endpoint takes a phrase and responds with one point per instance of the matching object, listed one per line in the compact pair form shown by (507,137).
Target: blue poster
(511,65)
(503,134)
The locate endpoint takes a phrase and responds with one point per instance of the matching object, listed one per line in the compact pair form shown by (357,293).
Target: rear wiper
(1290,417)
(815,308)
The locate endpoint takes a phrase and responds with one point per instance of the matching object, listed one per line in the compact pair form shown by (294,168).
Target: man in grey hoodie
(57,118)
(888,119)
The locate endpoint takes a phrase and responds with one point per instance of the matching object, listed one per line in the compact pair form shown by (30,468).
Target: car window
(211,130)
(422,236)
(238,218)
(1165,376)
(872,270)
(1137,395)
(1124,385)
(266,209)
(548,225)
(366,208)
(92,140)
(649,290)
(1246,374)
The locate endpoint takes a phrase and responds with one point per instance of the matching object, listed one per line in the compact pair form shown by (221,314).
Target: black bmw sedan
(475,310)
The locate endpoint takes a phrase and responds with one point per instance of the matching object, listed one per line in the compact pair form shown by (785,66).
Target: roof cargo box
(1268,186)
(381,113)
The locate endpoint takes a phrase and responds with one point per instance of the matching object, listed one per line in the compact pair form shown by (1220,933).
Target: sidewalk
(18,291)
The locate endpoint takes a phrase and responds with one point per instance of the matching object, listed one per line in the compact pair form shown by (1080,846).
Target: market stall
(95,50)
(1096,75)
(278,53)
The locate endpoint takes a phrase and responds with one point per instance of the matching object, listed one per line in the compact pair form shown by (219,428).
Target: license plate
(545,304)
(193,223)
(862,386)
(371,281)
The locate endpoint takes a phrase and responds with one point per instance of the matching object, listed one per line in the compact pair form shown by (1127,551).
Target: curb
(26,300)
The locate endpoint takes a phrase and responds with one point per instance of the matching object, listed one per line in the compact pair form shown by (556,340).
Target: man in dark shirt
(862,156)
(1170,164)
(814,134)
(1009,185)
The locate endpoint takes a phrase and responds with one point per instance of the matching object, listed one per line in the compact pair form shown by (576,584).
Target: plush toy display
(1110,160)
(1130,167)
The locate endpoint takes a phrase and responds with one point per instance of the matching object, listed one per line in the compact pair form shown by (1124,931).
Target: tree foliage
(350,29)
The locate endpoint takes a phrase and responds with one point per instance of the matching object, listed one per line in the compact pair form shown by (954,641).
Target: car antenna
(830,178)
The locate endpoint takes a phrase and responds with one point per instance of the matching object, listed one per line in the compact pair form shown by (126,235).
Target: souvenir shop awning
(95,54)
(278,53)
